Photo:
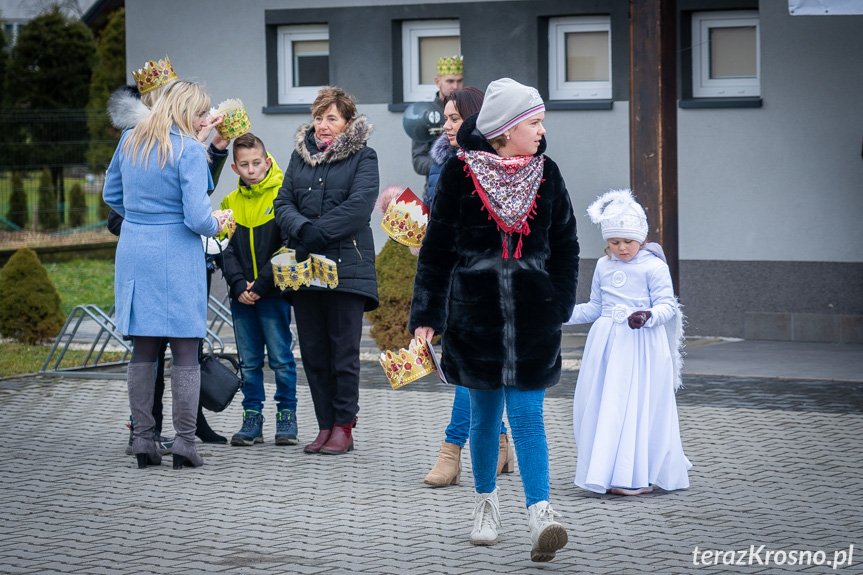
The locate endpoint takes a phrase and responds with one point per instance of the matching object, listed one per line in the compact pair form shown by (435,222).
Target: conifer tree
(17,213)
(49,215)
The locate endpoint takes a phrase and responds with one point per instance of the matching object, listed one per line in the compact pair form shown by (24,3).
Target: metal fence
(57,143)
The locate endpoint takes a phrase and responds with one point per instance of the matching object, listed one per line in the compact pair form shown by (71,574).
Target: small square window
(725,55)
(304,63)
(579,58)
(423,42)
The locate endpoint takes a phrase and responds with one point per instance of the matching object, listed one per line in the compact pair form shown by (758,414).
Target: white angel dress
(624,411)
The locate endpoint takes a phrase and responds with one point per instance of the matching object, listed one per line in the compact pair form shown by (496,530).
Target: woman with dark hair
(460,104)
(496,276)
(324,207)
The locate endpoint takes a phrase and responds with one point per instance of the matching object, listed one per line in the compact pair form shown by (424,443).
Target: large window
(423,42)
(579,58)
(304,62)
(726,55)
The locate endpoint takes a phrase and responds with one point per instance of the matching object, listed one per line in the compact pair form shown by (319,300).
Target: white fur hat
(619,216)
(506,104)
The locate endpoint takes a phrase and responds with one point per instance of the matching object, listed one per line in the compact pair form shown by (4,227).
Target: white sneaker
(546,534)
(486,519)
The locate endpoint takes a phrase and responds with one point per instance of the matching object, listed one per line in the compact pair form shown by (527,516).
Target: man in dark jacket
(450,76)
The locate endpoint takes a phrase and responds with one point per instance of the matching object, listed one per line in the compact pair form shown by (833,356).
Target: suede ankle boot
(506,456)
(141,381)
(447,468)
(340,441)
(185,391)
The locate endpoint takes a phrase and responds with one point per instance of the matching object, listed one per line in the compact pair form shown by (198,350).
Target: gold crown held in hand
(153,75)
(236,122)
(406,219)
(407,365)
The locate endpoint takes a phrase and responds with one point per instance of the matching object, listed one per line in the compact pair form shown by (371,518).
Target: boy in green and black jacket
(261,317)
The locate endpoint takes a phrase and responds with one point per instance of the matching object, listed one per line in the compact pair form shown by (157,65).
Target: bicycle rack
(106,334)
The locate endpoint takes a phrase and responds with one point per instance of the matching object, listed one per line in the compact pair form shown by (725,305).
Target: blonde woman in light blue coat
(158,181)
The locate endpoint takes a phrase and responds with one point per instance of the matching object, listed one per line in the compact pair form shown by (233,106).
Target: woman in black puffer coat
(496,277)
(324,207)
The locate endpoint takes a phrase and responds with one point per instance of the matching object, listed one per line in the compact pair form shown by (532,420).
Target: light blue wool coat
(160,277)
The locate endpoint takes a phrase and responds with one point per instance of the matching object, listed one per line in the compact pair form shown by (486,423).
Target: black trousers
(329,327)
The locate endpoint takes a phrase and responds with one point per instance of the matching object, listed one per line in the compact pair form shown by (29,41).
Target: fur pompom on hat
(619,216)
(387,195)
(506,104)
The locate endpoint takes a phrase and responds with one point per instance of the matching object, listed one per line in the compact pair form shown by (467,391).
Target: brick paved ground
(776,463)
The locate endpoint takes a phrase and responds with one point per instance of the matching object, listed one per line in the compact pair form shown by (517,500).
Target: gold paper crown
(236,122)
(230,222)
(453,66)
(153,75)
(407,365)
(399,222)
(289,273)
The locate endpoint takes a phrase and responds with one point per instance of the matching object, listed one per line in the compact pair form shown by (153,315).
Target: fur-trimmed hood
(125,108)
(441,151)
(349,142)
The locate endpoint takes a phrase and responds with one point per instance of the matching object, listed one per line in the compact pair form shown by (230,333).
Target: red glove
(638,319)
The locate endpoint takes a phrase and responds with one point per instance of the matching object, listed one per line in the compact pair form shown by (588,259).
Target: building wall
(769,197)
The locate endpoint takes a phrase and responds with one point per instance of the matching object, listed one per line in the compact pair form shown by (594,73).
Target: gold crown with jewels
(153,75)
(317,270)
(407,365)
(406,219)
(452,66)
(236,122)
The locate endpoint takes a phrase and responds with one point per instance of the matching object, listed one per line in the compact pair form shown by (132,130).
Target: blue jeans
(266,323)
(459,423)
(524,409)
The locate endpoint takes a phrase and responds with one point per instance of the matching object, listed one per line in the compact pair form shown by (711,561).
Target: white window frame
(15,26)
(287,35)
(558,87)
(703,86)
(412,32)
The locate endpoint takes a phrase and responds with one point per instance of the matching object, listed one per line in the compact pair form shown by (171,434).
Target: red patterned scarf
(508,190)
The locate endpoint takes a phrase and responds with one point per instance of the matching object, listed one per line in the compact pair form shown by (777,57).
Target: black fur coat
(500,318)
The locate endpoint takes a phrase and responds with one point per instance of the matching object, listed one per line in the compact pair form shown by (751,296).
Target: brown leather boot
(340,441)
(506,456)
(447,468)
(319,442)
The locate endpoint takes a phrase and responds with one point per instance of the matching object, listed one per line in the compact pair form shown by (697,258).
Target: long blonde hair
(179,105)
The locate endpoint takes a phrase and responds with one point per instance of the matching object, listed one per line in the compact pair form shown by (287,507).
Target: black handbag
(219,383)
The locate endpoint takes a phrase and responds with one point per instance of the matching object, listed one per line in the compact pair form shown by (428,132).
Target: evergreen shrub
(49,217)
(29,301)
(77,206)
(17,213)
(396,267)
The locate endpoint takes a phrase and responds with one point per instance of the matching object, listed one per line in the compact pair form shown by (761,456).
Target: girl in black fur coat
(496,276)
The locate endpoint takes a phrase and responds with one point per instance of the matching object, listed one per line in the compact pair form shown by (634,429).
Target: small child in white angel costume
(624,411)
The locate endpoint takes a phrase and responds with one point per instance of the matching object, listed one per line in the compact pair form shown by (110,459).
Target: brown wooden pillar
(653,120)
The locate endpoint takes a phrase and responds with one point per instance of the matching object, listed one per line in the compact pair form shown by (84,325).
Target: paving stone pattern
(776,463)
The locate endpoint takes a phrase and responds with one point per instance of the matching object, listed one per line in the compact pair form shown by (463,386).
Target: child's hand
(638,319)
